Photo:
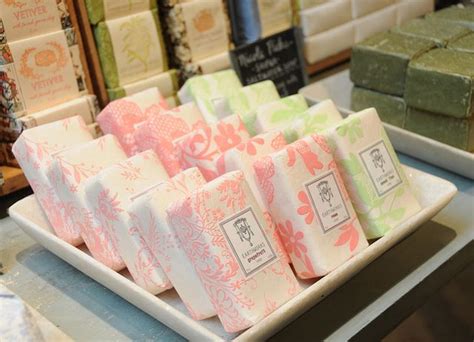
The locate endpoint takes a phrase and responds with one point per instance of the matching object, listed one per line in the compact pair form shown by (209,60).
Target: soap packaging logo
(204,20)
(248,241)
(377,158)
(39,63)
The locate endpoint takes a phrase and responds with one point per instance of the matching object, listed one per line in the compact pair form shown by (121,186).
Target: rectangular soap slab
(34,151)
(275,16)
(409,9)
(68,172)
(391,109)
(304,4)
(380,62)
(374,178)
(148,212)
(442,81)
(463,44)
(326,16)
(375,22)
(361,8)
(109,195)
(223,219)
(100,10)
(463,15)
(452,131)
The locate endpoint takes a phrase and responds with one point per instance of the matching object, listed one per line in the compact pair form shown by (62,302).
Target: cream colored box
(275,16)
(411,9)
(375,22)
(362,8)
(326,16)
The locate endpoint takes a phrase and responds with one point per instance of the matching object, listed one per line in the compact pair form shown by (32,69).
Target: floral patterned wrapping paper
(119,117)
(312,210)
(33,150)
(148,212)
(109,195)
(203,147)
(374,178)
(68,172)
(221,228)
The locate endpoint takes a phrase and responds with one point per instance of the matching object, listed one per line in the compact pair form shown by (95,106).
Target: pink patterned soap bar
(159,131)
(109,195)
(121,116)
(33,150)
(223,231)
(204,147)
(68,173)
(308,200)
(148,212)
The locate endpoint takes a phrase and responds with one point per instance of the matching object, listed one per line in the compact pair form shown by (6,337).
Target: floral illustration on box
(36,64)
(264,171)
(204,20)
(351,129)
(314,123)
(15,3)
(291,107)
(9,94)
(250,146)
(349,235)
(137,49)
(302,149)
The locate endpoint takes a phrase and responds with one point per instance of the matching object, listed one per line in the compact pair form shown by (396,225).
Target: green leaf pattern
(291,107)
(352,129)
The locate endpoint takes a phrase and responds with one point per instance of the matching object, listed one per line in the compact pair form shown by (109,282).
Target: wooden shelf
(14,180)
(329,62)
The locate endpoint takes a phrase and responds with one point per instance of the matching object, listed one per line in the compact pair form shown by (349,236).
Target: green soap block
(461,15)
(440,32)
(391,109)
(96,8)
(380,62)
(452,131)
(464,44)
(442,81)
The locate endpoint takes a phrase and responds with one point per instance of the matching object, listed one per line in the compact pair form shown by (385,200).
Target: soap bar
(463,44)
(68,172)
(280,113)
(326,16)
(452,131)
(109,195)
(440,32)
(203,147)
(130,48)
(275,16)
(463,15)
(159,132)
(362,8)
(208,65)
(409,9)
(374,178)
(391,109)
(375,22)
(166,82)
(119,117)
(100,10)
(304,4)
(442,81)
(236,259)
(380,62)
(148,212)
(33,150)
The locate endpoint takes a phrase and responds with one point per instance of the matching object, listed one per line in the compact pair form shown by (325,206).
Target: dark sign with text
(277,58)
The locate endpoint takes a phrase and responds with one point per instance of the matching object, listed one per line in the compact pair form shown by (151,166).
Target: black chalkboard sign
(278,58)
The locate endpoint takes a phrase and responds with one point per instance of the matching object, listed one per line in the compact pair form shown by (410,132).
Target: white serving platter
(338,87)
(432,192)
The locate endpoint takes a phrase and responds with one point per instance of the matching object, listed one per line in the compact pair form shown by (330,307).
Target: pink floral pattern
(265,170)
(250,146)
(306,209)
(310,158)
(349,236)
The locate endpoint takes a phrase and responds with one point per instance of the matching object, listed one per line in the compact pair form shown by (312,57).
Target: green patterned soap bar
(452,131)
(461,15)
(391,109)
(100,10)
(440,32)
(442,81)
(463,44)
(380,62)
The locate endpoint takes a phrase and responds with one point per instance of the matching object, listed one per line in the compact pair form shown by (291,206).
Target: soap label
(121,8)
(327,201)
(248,241)
(380,167)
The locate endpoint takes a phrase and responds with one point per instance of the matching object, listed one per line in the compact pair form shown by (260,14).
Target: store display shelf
(328,62)
(432,192)
(14,180)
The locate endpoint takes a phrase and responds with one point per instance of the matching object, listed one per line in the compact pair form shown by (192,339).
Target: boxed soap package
(34,151)
(100,10)
(463,44)
(325,17)
(275,16)
(375,22)
(148,212)
(109,195)
(208,65)
(374,178)
(361,8)
(223,231)
(409,9)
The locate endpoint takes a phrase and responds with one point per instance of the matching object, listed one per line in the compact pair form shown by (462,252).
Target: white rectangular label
(248,241)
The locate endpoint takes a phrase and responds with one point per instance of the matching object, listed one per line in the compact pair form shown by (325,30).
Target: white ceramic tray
(433,193)
(338,87)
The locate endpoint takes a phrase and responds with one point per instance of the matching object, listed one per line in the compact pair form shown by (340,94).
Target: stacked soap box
(42,76)
(420,76)
(331,27)
(131,49)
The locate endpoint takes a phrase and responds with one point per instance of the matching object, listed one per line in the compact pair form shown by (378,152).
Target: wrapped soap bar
(280,113)
(148,212)
(409,9)
(326,16)
(463,15)
(375,22)
(275,16)
(203,147)
(119,117)
(374,178)
(34,151)
(463,44)
(442,81)
(159,132)
(304,4)
(109,195)
(446,129)
(100,10)
(130,48)
(380,63)
(223,231)
(208,65)
(361,8)
(391,109)
(68,173)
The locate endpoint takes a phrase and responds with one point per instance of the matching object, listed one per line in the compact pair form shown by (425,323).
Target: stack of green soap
(391,109)
(461,15)
(380,62)
(463,44)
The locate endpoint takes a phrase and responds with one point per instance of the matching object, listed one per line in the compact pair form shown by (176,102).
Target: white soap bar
(148,211)
(304,4)
(317,118)
(375,22)
(374,178)
(326,16)
(68,173)
(410,9)
(215,63)
(33,150)
(109,195)
(361,8)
